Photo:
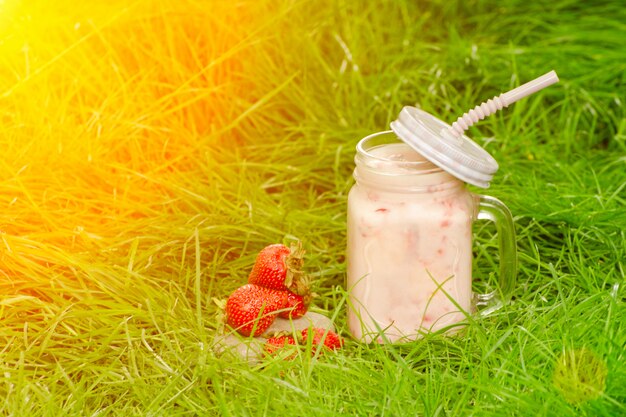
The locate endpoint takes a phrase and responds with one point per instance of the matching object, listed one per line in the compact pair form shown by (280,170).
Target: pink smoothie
(409,246)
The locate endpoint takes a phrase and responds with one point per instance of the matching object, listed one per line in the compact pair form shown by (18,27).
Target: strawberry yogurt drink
(409,249)
(409,244)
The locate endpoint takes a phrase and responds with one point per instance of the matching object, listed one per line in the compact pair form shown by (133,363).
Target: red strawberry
(332,340)
(276,343)
(250,309)
(297,306)
(280,268)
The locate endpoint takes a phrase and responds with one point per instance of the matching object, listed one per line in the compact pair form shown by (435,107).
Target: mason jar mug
(409,248)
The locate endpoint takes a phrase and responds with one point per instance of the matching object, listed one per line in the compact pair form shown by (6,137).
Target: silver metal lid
(458,155)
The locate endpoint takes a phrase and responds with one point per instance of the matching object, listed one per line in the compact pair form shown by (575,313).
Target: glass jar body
(409,244)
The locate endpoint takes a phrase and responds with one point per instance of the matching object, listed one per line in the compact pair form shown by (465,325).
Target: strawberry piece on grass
(329,339)
(276,343)
(282,341)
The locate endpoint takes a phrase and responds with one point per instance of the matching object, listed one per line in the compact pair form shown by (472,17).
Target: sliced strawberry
(251,309)
(275,344)
(328,338)
(282,341)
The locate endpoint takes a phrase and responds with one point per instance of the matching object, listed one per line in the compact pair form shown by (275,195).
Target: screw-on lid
(458,155)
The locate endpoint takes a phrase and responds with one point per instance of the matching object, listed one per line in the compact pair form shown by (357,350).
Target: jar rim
(422,166)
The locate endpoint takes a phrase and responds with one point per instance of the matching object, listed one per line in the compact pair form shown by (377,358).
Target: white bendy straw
(503,100)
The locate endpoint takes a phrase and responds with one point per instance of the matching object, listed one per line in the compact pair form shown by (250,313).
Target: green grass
(150,150)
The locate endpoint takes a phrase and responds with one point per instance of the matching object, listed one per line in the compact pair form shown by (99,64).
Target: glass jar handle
(490,208)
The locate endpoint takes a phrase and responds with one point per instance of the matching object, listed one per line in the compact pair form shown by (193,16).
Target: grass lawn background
(149,149)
